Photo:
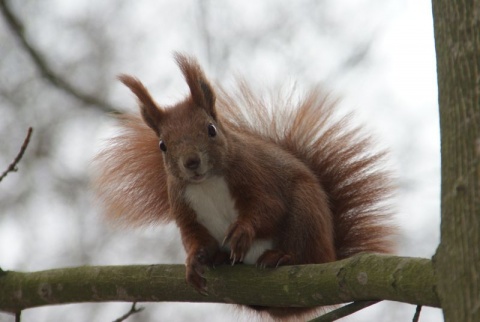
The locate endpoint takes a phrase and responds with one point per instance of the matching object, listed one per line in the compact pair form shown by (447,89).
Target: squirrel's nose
(192,162)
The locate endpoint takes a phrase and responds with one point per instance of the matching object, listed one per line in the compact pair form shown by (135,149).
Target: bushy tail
(129,176)
(342,157)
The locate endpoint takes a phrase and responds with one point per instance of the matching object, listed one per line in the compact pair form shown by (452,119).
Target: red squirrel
(246,180)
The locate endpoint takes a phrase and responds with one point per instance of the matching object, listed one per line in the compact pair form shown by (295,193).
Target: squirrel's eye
(162,146)
(212,130)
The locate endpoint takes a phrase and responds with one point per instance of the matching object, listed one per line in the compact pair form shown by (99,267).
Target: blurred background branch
(44,68)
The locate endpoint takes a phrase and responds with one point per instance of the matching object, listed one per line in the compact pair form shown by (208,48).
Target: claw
(282,260)
(224,241)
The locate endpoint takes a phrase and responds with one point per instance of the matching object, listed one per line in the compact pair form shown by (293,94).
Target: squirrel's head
(191,138)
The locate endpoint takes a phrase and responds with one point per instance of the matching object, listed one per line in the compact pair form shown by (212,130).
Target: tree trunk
(457,261)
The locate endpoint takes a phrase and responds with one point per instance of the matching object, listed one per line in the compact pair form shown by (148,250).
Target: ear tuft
(200,88)
(151,113)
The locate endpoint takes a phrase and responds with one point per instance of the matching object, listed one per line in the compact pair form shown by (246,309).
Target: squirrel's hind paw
(272,258)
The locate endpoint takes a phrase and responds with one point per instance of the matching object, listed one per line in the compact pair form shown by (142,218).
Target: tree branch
(13,166)
(47,72)
(416,317)
(359,278)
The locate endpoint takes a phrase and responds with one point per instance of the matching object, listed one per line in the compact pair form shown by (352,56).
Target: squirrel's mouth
(197,178)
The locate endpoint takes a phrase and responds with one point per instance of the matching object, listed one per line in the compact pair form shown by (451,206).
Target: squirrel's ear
(151,113)
(200,88)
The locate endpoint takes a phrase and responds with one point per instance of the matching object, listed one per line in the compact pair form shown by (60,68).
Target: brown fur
(297,176)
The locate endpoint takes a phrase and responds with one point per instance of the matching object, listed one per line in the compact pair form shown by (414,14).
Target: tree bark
(362,277)
(457,261)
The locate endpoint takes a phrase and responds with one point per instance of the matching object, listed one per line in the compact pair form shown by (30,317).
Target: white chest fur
(214,205)
(215,208)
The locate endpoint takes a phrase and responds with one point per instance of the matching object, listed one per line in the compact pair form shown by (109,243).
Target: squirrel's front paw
(195,267)
(240,237)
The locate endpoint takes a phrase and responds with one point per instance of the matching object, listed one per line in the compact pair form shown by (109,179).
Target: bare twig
(13,166)
(44,68)
(344,311)
(416,317)
(18,316)
(132,311)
